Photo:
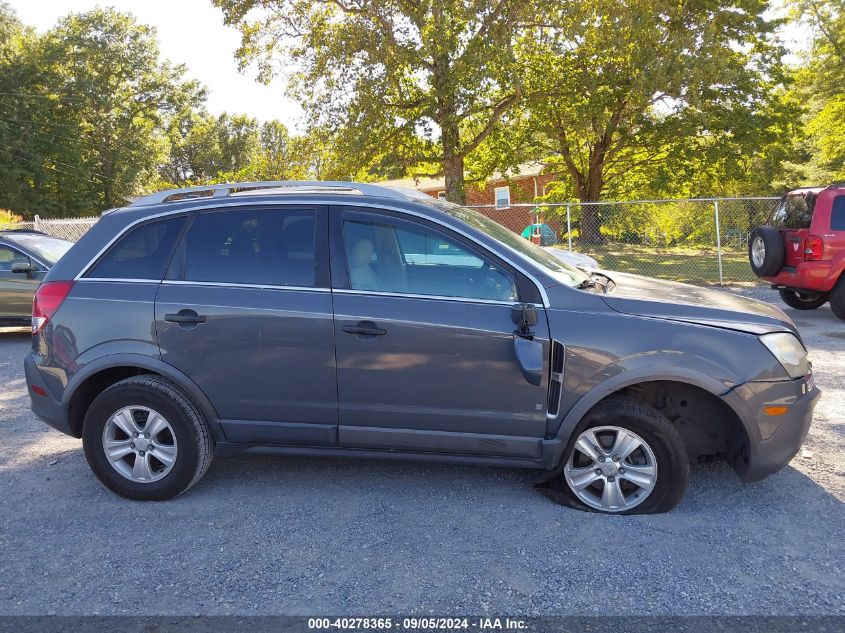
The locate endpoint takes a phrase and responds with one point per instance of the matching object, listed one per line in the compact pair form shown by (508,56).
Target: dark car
(349,319)
(25,257)
(801,250)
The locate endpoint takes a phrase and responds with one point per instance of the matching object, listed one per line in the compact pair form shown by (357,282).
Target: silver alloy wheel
(611,469)
(758,251)
(140,444)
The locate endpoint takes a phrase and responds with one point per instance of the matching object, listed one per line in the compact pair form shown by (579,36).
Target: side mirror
(22,267)
(525,317)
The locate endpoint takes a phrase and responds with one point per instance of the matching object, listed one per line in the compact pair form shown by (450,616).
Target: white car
(575,259)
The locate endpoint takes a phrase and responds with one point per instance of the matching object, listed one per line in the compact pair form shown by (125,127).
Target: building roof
(526,170)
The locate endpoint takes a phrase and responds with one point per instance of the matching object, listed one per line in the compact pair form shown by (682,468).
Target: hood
(657,298)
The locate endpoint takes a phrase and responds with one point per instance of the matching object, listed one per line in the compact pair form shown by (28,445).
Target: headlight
(789,352)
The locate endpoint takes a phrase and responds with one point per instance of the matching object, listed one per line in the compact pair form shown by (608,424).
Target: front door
(246,312)
(17,288)
(424,341)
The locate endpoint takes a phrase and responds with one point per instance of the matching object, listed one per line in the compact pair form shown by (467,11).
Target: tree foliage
(412,85)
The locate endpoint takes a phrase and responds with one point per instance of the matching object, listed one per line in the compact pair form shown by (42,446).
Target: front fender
(648,373)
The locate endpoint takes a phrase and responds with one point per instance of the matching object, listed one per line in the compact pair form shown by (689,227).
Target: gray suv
(350,319)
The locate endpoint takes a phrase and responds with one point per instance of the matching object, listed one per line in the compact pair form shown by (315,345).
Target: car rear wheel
(766,251)
(626,458)
(837,298)
(145,440)
(803,300)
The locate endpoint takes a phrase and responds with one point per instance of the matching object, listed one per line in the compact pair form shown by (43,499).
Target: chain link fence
(701,241)
(70,229)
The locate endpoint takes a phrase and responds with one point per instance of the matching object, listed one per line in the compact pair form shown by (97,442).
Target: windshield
(47,249)
(566,273)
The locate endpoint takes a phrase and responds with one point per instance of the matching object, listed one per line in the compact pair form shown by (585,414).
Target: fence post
(37,223)
(569,226)
(719,243)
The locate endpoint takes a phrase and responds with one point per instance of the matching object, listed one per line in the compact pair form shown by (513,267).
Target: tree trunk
(453,170)
(589,190)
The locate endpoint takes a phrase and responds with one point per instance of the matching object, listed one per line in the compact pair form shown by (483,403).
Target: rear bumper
(806,276)
(43,405)
(774,440)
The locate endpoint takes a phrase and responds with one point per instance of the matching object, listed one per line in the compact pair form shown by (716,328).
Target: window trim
(340,275)
(496,191)
(332,204)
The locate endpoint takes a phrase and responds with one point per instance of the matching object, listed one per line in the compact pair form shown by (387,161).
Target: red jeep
(801,250)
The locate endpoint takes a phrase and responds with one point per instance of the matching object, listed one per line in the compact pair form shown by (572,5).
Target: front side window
(143,253)
(8,257)
(399,257)
(272,247)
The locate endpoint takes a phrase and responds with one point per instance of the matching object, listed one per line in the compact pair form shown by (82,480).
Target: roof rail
(295,186)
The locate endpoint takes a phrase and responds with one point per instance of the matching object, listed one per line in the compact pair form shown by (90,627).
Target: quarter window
(837,216)
(273,247)
(384,256)
(142,254)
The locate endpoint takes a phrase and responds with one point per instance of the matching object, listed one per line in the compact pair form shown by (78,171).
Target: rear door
(246,312)
(424,341)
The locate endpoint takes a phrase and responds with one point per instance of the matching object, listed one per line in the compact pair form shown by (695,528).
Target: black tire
(661,436)
(808,300)
(837,298)
(195,444)
(774,254)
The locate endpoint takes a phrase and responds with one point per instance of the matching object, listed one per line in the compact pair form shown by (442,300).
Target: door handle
(185,317)
(364,328)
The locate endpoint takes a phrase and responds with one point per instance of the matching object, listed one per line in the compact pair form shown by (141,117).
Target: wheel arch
(98,375)
(645,384)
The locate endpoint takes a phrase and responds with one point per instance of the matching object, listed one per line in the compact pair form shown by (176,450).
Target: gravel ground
(313,536)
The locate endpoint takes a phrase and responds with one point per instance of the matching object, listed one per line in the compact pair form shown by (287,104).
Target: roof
(526,170)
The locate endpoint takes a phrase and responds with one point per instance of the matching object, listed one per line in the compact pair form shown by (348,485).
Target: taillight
(47,300)
(813,248)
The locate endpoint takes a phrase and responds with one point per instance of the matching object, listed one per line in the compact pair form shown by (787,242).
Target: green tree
(105,71)
(410,84)
(821,86)
(629,87)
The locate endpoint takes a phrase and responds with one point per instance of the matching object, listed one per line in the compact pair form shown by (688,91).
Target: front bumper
(773,440)
(44,405)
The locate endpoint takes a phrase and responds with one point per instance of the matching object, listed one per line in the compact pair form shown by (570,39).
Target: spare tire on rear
(766,251)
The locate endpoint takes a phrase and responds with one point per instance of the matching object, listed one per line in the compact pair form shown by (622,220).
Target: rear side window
(794,212)
(143,253)
(837,215)
(272,247)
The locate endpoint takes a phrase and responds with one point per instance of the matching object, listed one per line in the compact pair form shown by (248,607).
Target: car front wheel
(625,458)
(803,300)
(145,440)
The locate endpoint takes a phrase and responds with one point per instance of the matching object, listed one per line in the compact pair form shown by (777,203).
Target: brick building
(497,194)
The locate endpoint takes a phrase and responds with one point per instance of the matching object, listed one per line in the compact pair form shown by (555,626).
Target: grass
(689,265)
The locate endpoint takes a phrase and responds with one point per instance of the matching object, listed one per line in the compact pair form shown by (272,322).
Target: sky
(190,32)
